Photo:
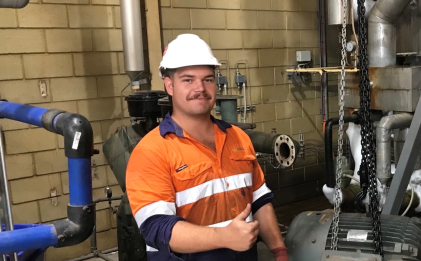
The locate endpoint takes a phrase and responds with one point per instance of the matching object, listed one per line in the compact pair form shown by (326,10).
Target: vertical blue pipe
(22,113)
(80,181)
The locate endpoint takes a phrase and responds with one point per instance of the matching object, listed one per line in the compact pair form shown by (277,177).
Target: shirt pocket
(194,171)
(242,162)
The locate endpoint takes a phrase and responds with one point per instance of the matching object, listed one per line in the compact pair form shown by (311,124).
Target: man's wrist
(279,251)
(218,237)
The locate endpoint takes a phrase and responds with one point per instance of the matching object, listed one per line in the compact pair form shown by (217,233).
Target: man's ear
(168,85)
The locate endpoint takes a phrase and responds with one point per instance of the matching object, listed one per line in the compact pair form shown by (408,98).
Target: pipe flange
(285,150)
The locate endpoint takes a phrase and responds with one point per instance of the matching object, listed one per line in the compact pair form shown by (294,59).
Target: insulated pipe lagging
(383,140)
(13,3)
(382,31)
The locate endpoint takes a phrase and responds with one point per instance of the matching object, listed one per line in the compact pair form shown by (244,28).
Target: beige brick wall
(75,47)
(266,34)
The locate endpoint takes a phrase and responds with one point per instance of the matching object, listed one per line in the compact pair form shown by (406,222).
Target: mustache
(199,95)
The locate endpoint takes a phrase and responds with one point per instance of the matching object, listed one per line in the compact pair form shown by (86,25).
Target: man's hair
(170,72)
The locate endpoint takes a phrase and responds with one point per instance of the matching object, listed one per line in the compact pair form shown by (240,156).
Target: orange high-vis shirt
(171,173)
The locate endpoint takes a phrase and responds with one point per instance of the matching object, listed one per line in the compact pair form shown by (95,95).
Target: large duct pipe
(131,26)
(13,3)
(382,32)
(383,140)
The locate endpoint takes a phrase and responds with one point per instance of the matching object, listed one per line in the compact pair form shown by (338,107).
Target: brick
(107,40)
(49,212)
(220,55)
(166,3)
(99,158)
(112,180)
(297,93)
(208,19)
(175,18)
(333,104)
(26,213)
(10,67)
(241,20)
(117,16)
(257,39)
(309,5)
(105,2)
(65,106)
(287,110)
(299,21)
(29,189)
(167,37)
(281,76)
(68,40)
(303,125)
(251,56)
(189,3)
(282,126)
(313,136)
(203,34)
(95,63)
(223,4)
(81,2)
(21,141)
(286,38)
(90,16)
(291,178)
(101,109)
(109,128)
(19,166)
(22,41)
(7,124)
(256,95)
(271,181)
(23,91)
(103,220)
(50,162)
(310,159)
(120,57)
(66,253)
(311,107)
(8,18)
(107,239)
(47,65)
(255,5)
(111,86)
(46,16)
(265,112)
(285,5)
(271,20)
(225,39)
(315,172)
(261,76)
(273,57)
(271,94)
(309,38)
(75,88)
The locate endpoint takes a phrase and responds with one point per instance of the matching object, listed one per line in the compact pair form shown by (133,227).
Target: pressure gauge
(351,46)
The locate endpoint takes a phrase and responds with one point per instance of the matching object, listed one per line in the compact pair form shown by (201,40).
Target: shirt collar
(168,125)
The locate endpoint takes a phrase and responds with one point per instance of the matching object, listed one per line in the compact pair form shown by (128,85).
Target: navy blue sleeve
(157,230)
(260,202)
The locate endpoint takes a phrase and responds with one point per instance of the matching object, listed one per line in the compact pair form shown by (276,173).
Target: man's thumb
(246,212)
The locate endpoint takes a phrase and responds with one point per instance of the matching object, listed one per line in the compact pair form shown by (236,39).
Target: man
(194,185)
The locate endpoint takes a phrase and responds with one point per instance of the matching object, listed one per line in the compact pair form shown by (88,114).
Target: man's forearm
(269,228)
(190,238)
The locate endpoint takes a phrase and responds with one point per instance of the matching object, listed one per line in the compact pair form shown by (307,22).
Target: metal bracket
(248,108)
(95,170)
(54,198)
(329,255)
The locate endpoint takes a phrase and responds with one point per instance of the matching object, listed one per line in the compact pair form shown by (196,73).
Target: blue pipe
(22,113)
(80,181)
(38,236)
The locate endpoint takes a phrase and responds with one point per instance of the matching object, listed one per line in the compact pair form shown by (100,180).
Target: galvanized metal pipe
(382,32)
(131,26)
(13,3)
(383,139)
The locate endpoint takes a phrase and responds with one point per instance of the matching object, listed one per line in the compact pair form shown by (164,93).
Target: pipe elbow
(77,227)
(389,123)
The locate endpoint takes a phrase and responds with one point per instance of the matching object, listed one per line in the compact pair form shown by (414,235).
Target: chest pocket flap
(193,171)
(243,157)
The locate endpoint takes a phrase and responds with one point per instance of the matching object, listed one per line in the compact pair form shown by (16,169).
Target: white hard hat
(187,50)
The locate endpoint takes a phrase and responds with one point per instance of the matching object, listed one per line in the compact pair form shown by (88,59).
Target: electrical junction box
(303,56)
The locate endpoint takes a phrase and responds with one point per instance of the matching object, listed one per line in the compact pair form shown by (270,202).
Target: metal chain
(368,163)
(337,205)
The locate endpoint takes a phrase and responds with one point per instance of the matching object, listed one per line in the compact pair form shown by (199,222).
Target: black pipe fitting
(77,227)
(76,130)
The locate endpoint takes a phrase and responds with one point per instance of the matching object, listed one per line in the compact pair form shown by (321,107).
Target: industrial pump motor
(309,237)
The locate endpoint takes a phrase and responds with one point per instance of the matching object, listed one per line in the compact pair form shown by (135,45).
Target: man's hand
(280,254)
(240,235)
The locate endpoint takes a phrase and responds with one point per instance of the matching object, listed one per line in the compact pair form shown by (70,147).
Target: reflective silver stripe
(156,208)
(260,192)
(226,223)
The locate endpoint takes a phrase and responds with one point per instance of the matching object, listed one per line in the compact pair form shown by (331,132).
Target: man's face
(193,90)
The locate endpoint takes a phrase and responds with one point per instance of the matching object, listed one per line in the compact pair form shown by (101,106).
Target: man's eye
(187,80)
(209,80)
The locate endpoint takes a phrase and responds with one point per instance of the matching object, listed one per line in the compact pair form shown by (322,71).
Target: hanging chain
(368,163)
(337,205)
